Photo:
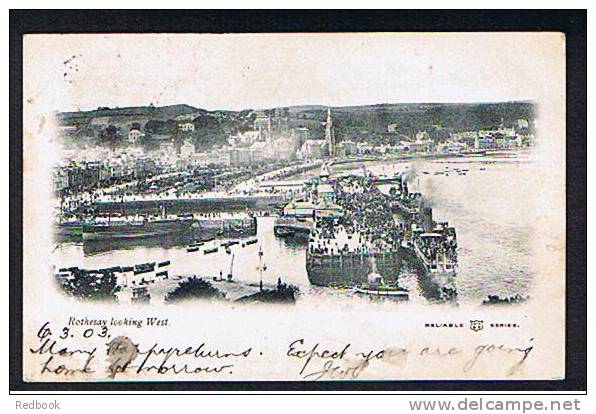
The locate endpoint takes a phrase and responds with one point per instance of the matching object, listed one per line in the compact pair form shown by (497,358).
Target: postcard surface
(296,207)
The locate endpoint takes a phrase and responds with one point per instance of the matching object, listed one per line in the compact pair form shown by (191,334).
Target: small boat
(192,249)
(162,274)
(197,244)
(113,269)
(164,263)
(498,299)
(206,240)
(144,268)
(382,290)
(212,250)
(251,241)
(376,286)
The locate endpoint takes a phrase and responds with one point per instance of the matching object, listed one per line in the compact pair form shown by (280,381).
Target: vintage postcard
(293,207)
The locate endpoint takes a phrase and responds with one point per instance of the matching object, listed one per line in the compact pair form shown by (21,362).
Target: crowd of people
(367,224)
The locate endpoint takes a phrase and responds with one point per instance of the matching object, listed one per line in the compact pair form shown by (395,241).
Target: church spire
(329,135)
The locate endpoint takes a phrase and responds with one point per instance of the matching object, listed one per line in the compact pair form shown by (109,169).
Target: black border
(572,23)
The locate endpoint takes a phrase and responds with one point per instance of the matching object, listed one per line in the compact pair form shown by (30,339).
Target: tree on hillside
(209,131)
(110,137)
(155,126)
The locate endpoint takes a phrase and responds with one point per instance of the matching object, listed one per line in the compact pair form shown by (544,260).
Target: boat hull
(292,228)
(391,293)
(145,230)
(350,270)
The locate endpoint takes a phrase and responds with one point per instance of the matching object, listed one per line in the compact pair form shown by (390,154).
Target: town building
(522,124)
(186,127)
(187,150)
(347,148)
(422,136)
(60,180)
(284,148)
(244,138)
(302,135)
(144,167)
(262,124)
(312,149)
(134,135)
(453,147)
(67,130)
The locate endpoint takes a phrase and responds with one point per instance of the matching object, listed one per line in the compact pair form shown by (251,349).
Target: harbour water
(487,201)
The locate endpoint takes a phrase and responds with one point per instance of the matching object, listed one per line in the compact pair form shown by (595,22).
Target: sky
(241,71)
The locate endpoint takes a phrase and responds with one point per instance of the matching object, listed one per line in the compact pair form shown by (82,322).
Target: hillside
(366,122)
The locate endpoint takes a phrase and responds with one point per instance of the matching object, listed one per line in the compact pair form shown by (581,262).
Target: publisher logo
(476,325)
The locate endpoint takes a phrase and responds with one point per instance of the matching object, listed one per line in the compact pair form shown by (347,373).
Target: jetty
(396,231)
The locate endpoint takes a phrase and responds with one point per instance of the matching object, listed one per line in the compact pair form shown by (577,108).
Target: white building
(422,136)
(392,128)
(186,127)
(259,151)
(506,132)
(60,178)
(464,135)
(167,151)
(302,135)
(187,150)
(201,158)
(522,123)
(453,147)
(134,134)
(347,148)
(262,124)
(116,167)
(313,148)
(283,148)
(67,130)
(244,138)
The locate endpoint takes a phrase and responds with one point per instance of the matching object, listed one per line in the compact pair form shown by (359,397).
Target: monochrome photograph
(294,206)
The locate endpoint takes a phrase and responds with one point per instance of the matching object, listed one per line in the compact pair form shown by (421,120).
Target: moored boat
(382,290)
(498,299)
(376,286)
(144,268)
(292,227)
(136,228)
